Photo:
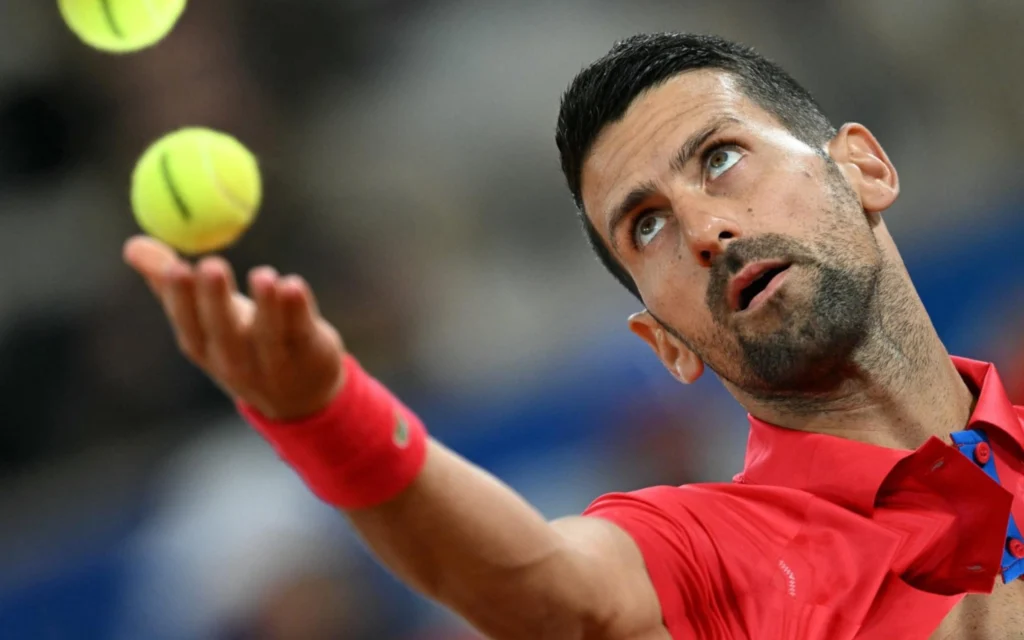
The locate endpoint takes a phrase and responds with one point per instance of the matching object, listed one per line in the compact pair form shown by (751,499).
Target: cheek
(791,203)
(674,290)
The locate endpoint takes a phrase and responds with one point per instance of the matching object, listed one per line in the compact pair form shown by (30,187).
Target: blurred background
(412,177)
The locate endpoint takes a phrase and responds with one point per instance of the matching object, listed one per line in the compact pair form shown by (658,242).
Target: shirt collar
(850,473)
(993,410)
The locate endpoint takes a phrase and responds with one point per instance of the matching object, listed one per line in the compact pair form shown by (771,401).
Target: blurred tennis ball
(121,26)
(196,189)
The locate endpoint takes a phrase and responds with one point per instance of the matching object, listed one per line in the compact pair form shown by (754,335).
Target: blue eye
(721,160)
(647,226)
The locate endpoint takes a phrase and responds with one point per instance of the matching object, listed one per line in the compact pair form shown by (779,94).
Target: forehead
(650,132)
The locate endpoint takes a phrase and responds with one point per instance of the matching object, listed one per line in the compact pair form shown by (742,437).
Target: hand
(272,351)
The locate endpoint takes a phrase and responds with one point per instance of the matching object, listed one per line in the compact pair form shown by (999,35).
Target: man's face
(747,244)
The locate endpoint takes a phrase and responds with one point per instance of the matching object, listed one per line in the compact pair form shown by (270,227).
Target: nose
(708,235)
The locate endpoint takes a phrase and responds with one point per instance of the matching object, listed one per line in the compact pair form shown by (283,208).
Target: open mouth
(752,282)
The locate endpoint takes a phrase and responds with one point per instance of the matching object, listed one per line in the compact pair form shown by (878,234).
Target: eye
(721,160)
(646,228)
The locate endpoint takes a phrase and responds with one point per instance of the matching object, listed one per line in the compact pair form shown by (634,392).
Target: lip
(748,275)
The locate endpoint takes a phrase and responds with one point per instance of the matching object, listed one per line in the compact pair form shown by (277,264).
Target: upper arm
(622,599)
(660,559)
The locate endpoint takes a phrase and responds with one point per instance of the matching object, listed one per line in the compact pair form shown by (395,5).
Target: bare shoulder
(627,604)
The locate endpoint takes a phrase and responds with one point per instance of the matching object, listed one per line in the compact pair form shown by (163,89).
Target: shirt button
(982,453)
(1015,547)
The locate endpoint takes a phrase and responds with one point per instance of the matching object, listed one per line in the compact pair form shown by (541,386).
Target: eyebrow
(686,153)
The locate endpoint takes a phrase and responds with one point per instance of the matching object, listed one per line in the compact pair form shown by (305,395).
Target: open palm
(271,350)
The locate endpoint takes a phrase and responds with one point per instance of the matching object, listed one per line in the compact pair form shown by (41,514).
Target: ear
(680,361)
(870,172)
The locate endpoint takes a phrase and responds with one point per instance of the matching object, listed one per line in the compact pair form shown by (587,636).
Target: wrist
(362,449)
(308,410)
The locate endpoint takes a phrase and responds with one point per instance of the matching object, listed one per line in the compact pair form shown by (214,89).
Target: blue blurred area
(973,271)
(412,178)
(966,279)
(78,599)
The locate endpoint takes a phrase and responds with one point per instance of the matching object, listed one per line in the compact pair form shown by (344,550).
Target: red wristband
(364,449)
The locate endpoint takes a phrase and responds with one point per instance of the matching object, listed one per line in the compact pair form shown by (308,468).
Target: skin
(456,534)
(844,346)
(461,537)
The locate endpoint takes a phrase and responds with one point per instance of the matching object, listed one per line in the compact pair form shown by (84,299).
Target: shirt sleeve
(677,552)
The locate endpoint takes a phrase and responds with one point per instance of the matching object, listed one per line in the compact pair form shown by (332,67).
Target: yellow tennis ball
(121,26)
(196,189)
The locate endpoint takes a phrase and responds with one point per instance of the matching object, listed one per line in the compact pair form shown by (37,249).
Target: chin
(815,340)
(802,356)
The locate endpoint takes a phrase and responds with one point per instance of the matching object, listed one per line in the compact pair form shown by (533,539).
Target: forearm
(462,537)
(444,526)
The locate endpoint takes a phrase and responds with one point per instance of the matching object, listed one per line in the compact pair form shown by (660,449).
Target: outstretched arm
(456,533)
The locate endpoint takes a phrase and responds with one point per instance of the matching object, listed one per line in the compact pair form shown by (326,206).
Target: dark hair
(602,92)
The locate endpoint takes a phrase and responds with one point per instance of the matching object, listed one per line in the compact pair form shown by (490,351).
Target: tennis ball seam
(111,20)
(172,187)
(121,26)
(221,186)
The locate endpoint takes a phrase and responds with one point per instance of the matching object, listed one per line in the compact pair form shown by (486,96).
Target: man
(713,187)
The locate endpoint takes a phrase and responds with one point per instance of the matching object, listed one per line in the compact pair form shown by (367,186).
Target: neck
(899,389)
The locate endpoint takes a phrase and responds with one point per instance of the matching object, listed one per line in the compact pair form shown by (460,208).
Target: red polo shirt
(826,538)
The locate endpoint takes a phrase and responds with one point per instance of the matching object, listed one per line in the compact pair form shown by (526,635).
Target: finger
(150,258)
(221,325)
(179,299)
(298,307)
(244,309)
(262,288)
(266,329)
(267,322)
